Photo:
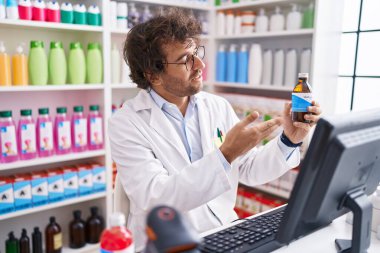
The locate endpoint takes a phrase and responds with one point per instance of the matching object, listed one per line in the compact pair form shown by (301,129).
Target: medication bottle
(25,9)
(94,63)
(39,10)
(77,64)
(24,242)
(53,237)
(57,64)
(67,13)
(11,245)
(5,66)
(8,143)
(37,240)
(44,133)
(20,67)
(95,128)
(301,98)
(27,135)
(79,130)
(77,231)
(62,132)
(94,226)
(37,64)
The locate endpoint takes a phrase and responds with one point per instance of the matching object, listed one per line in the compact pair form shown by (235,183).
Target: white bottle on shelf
(113,14)
(237,23)
(12,9)
(294,18)
(255,66)
(262,21)
(267,67)
(2,10)
(122,15)
(229,22)
(291,67)
(305,60)
(278,69)
(375,199)
(277,20)
(221,23)
(115,65)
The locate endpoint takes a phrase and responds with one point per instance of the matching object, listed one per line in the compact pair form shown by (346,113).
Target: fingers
(312,118)
(287,108)
(249,119)
(269,130)
(305,126)
(315,108)
(264,126)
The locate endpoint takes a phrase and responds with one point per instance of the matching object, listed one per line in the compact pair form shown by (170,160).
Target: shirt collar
(161,102)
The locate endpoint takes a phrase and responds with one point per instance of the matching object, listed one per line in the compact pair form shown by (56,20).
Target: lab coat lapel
(205,123)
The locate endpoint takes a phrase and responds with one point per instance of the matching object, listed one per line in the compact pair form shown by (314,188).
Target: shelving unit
(296,33)
(52,88)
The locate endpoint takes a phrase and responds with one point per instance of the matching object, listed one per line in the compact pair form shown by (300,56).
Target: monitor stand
(357,201)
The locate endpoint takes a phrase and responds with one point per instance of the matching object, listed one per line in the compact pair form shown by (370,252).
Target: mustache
(197,73)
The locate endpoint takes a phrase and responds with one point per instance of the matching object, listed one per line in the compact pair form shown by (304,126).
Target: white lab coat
(154,167)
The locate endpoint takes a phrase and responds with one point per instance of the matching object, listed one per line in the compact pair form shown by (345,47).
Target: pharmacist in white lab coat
(166,141)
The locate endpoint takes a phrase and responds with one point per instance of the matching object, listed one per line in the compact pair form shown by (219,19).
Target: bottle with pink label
(95,128)
(25,9)
(8,143)
(39,10)
(62,132)
(79,130)
(27,136)
(45,142)
(53,13)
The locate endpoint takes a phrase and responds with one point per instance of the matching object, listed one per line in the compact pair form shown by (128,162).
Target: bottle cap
(2,47)
(61,109)
(26,112)
(303,75)
(36,230)
(23,232)
(36,44)
(94,107)
(261,12)
(5,114)
(77,214)
(117,219)
(52,219)
(94,210)
(43,111)
(66,6)
(74,45)
(78,108)
(93,45)
(55,44)
(11,236)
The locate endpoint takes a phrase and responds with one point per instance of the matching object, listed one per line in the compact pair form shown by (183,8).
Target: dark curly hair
(143,46)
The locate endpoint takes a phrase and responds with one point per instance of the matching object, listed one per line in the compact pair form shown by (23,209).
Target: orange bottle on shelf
(20,67)
(5,66)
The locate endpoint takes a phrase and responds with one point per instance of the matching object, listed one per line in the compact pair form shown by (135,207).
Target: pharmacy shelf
(251,87)
(88,248)
(275,192)
(123,86)
(244,5)
(52,87)
(177,3)
(52,205)
(118,31)
(295,33)
(51,159)
(48,25)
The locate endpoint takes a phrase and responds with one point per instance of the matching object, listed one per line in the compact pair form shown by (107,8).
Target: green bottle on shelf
(94,63)
(37,63)
(308,17)
(77,64)
(57,63)
(11,245)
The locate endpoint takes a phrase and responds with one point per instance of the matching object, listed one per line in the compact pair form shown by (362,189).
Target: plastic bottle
(229,22)
(67,13)
(125,72)
(267,67)
(95,128)
(293,19)
(53,13)
(79,130)
(146,15)
(94,226)
(221,23)
(237,23)
(45,142)
(39,10)
(277,20)
(133,15)
(20,67)
(27,135)
(37,64)
(94,63)
(242,68)
(2,10)
(25,9)
(5,66)
(262,21)
(93,15)
(308,17)
(255,66)
(53,237)
(232,64)
(278,67)
(221,64)
(301,98)
(11,245)
(77,64)
(204,23)
(122,15)
(62,132)
(118,237)
(115,65)
(113,14)
(80,14)
(305,60)
(12,9)
(24,242)
(8,143)
(375,199)
(57,64)
(290,67)
(77,231)
(37,240)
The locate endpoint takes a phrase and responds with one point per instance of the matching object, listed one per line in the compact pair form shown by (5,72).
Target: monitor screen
(343,156)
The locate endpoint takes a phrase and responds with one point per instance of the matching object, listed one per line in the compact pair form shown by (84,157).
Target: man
(164,140)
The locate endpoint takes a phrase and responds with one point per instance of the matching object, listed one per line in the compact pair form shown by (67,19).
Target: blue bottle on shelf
(242,64)
(232,64)
(221,64)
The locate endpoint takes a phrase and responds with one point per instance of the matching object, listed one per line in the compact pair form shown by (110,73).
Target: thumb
(249,119)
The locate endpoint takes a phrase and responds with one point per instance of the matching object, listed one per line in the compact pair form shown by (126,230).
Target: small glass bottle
(77,231)
(11,245)
(37,240)
(301,98)
(24,242)
(53,237)
(94,226)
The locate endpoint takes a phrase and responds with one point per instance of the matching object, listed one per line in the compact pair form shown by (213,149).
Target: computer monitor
(341,167)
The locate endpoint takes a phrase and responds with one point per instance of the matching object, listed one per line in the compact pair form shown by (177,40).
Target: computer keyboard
(245,236)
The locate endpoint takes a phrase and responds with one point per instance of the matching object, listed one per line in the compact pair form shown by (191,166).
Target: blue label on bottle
(301,101)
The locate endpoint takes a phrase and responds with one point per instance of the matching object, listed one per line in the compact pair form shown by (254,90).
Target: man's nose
(198,63)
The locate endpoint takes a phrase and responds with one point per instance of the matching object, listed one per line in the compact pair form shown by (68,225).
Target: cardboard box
(70,181)
(40,193)
(98,177)
(55,185)
(85,179)
(22,191)
(6,195)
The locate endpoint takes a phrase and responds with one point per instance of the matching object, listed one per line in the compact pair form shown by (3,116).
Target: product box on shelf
(70,181)
(98,177)
(6,195)
(55,185)
(22,191)
(40,193)
(85,179)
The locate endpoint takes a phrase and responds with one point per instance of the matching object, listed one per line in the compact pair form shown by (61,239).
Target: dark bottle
(77,231)
(301,98)
(37,240)
(11,245)
(53,237)
(94,226)
(24,242)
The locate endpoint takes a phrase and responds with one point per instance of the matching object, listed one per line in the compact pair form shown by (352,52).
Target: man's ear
(154,79)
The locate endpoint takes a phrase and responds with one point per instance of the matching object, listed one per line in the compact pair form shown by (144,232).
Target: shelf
(86,249)
(51,159)
(49,25)
(251,87)
(119,31)
(275,192)
(244,5)
(123,86)
(52,87)
(52,205)
(177,3)
(301,32)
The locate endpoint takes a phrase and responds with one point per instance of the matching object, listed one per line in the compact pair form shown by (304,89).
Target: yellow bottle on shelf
(20,67)
(5,67)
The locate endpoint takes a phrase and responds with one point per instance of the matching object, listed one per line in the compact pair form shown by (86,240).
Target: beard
(180,87)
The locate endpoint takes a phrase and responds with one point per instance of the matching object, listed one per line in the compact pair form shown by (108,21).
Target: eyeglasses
(189,62)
